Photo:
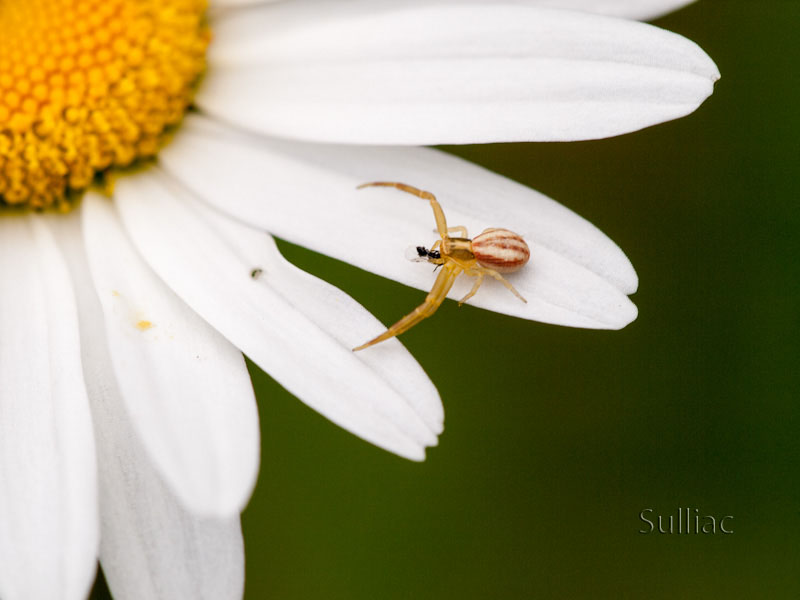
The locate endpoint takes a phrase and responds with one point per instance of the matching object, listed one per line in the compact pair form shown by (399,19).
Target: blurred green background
(550,454)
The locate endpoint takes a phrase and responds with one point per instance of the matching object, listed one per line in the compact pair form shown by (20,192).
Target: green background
(557,438)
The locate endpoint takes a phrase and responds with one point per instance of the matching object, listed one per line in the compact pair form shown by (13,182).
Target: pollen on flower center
(87,85)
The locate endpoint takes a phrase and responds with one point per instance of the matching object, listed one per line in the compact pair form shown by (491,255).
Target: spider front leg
(460,230)
(435,297)
(438,213)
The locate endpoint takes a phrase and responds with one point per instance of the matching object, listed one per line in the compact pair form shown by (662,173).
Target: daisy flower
(128,426)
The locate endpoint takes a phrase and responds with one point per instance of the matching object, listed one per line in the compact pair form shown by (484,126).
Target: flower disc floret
(88,85)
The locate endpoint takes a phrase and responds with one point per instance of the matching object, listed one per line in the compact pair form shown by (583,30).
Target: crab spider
(492,252)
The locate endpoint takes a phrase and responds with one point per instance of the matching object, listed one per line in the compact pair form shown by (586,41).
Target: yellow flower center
(88,85)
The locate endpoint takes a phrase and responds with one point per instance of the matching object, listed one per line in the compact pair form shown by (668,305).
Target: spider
(492,252)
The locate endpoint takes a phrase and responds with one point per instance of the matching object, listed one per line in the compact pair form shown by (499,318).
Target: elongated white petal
(306,193)
(297,348)
(186,388)
(386,72)
(152,546)
(643,10)
(332,310)
(48,487)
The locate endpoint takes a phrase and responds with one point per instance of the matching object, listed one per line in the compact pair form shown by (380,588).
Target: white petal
(210,274)
(152,547)
(48,487)
(382,72)
(332,310)
(643,10)
(306,193)
(186,388)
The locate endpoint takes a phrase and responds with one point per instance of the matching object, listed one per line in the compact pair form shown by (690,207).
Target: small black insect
(425,253)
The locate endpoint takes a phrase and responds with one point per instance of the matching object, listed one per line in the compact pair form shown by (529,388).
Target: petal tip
(628,313)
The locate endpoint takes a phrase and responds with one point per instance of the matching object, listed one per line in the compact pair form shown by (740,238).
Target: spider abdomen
(501,250)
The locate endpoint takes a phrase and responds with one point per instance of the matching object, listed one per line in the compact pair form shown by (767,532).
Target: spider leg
(478,282)
(460,230)
(444,281)
(499,278)
(438,213)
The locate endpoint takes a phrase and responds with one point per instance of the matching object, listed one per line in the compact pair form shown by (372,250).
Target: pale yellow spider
(493,252)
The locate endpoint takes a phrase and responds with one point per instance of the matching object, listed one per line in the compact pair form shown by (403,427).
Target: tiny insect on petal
(501,250)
